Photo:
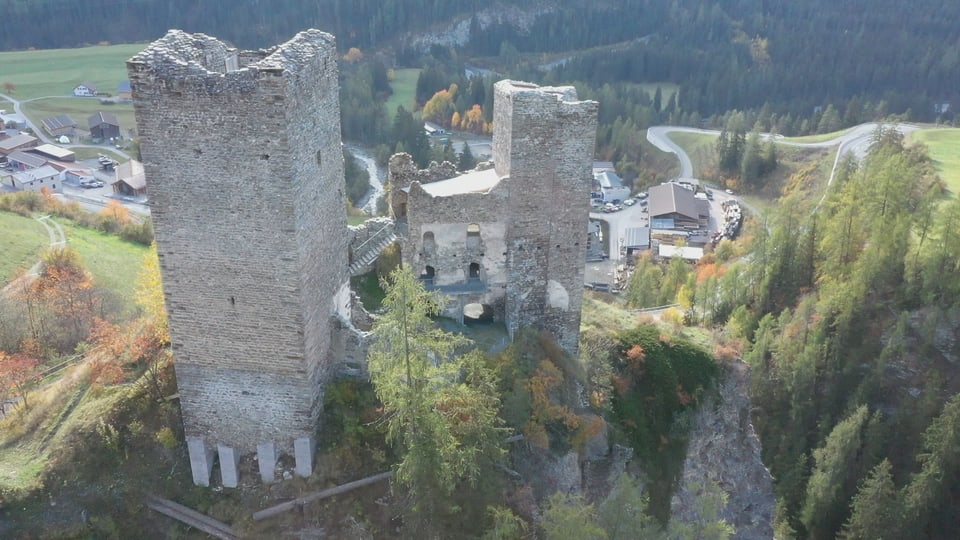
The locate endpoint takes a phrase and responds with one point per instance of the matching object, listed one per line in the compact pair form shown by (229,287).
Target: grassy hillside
(944,146)
(56,72)
(114,262)
(21,243)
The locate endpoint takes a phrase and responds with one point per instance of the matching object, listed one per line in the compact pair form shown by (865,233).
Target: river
(377,178)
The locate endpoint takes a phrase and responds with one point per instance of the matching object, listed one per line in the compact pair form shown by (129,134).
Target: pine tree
(875,512)
(467,162)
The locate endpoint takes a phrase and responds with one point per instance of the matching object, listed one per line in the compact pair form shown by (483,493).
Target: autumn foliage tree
(17,373)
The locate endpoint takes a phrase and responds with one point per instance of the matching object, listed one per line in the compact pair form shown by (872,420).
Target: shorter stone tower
(513,237)
(242,153)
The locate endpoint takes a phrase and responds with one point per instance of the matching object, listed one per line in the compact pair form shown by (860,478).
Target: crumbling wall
(532,222)
(247,198)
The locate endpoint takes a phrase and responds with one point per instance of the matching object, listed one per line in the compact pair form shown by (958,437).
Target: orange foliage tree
(17,372)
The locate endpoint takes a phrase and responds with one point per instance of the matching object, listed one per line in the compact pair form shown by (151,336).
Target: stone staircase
(367,252)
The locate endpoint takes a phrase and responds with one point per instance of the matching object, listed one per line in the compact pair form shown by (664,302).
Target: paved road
(856,140)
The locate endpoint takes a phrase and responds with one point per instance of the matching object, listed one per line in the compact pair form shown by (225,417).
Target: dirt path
(57,239)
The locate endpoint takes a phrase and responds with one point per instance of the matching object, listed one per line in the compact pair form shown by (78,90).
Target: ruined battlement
(184,59)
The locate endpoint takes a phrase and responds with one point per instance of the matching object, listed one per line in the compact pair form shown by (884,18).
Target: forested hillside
(850,306)
(865,58)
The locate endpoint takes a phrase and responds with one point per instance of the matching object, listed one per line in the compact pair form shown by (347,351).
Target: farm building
(103,126)
(22,160)
(52,151)
(17,142)
(675,207)
(60,126)
(13,121)
(129,179)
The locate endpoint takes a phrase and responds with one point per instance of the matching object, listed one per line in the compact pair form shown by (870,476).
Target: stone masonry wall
(246,181)
(533,223)
(544,141)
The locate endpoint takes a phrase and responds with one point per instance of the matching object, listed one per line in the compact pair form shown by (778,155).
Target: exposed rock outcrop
(725,450)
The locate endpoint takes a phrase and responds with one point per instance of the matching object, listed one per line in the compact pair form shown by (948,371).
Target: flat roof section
(471,182)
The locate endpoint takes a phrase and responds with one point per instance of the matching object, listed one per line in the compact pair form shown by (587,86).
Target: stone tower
(512,238)
(242,154)
(544,141)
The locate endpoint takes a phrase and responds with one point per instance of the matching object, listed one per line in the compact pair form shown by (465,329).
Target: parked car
(629,202)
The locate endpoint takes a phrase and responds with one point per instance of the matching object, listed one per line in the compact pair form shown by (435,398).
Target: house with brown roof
(675,207)
(129,179)
(103,126)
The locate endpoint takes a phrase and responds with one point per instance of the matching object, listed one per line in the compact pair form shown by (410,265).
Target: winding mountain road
(856,140)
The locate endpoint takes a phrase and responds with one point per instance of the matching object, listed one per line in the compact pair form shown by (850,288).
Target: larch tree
(875,511)
(440,404)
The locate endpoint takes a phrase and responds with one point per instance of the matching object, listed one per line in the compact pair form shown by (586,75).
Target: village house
(37,179)
(85,89)
(103,126)
(675,207)
(610,186)
(13,121)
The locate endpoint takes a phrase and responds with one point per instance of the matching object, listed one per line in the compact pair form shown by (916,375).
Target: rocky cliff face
(725,450)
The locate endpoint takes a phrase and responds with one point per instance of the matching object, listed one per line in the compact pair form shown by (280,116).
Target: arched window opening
(474,272)
(429,243)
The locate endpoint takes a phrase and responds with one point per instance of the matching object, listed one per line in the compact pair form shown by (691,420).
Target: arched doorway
(477,313)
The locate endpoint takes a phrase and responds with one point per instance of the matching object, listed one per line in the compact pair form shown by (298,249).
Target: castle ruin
(511,237)
(243,157)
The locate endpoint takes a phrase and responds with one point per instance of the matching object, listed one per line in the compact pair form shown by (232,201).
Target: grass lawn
(89,153)
(404,87)
(114,262)
(56,72)
(79,109)
(700,148)
(817,138)
(21,243)
(944,146)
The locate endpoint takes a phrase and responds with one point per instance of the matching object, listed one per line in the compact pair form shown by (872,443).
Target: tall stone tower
(544,141)
(242,156)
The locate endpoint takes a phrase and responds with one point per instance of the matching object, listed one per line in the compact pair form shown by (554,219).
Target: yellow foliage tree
(353,55)
(150,295)
(117,211)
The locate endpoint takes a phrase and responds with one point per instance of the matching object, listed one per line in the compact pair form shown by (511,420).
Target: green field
(21,243)
(699,147)
(404,87)
(944,146)
(79,109)
(817,138)
(114,262)
(56,72)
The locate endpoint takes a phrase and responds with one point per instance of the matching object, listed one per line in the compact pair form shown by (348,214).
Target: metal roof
(670,198)
(608,180)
